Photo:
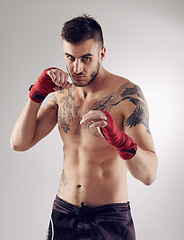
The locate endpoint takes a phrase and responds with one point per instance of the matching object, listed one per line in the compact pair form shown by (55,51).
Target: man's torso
(93,172)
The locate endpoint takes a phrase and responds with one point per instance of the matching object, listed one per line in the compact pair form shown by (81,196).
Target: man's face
(83,61)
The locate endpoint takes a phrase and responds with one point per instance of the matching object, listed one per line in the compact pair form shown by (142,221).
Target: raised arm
(143,165)
(34,123)
(134,143)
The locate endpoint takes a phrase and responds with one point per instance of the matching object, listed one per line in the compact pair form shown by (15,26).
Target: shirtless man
(103,122)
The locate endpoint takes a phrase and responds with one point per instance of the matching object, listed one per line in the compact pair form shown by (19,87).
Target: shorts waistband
(66,207)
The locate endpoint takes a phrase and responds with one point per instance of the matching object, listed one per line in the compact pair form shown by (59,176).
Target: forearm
(34,123)
(141,163)
(143,166)
(25,126)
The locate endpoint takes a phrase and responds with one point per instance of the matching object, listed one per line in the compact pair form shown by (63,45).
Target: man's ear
(102,53)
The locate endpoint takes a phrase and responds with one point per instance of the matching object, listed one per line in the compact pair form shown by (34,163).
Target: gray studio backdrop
(145,43)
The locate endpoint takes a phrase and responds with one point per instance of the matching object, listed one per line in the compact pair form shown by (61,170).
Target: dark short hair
(82,28)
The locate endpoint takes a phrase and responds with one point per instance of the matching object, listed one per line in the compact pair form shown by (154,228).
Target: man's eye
(86,59)
(70,58)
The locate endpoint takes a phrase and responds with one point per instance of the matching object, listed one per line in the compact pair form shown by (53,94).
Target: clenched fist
(52,79)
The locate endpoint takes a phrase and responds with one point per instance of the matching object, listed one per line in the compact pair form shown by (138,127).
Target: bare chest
(71,109)
(70,112)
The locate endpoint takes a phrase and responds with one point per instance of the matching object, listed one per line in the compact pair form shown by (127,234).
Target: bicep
(136,121)
(142,138)
(46,121)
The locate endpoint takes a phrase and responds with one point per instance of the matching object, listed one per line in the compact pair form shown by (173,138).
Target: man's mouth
(78,76)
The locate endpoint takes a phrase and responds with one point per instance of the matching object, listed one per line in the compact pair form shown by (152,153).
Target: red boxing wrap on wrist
(43,86)
(116,137)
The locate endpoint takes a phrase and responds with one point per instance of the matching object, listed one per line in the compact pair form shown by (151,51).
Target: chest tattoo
(69,108)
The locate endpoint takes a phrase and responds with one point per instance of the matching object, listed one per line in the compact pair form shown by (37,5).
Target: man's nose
(78,67)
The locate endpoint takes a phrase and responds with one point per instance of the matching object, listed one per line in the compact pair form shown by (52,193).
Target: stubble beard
(92,77)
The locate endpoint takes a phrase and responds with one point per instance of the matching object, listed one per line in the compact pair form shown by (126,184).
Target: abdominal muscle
(93,176)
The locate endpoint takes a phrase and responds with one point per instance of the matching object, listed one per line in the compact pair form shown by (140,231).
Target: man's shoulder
(128,90)
(122,84)
(117,95)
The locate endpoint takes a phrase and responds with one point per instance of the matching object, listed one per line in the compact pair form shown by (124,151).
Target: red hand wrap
(116,137)
(43,86)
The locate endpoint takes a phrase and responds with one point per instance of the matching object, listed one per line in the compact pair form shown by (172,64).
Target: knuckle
(53,75)
(99,115)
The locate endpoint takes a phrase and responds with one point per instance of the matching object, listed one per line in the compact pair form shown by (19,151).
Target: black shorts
(107,222)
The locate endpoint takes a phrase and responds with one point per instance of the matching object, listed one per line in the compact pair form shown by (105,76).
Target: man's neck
(95,86)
